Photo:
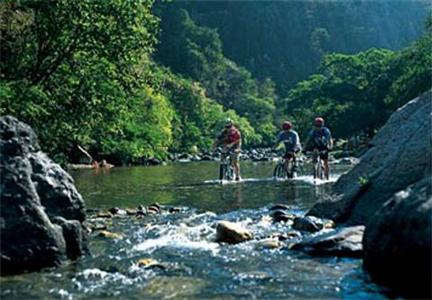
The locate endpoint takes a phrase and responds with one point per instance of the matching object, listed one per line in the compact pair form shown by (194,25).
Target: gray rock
(270,243)
(56,188)
(343,242)
(207,157)
(74,236)
(35,192)
(400,155)
(281,216)
(398,242)
(279,207)
(231,233)
(311,224)
(397,239)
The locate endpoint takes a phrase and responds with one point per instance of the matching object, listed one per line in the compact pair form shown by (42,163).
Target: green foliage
(363,181)
(356,93)
(70,69)
(286,40)
(411,70)
(198,56)
(86,73)
(146,131)
(198,118)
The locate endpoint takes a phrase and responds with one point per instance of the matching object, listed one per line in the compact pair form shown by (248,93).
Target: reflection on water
(191,264)
(196,185)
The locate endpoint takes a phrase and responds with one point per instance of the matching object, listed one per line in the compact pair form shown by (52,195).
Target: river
(190,265)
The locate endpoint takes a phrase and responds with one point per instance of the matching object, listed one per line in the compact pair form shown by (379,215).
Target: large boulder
(389,191)
(400,155)
(41,212)
(398,242)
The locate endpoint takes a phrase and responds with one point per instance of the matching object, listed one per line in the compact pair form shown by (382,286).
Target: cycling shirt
(290,139)
(230,135)
(320,138)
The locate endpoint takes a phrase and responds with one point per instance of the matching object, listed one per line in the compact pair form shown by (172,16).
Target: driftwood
(85,153)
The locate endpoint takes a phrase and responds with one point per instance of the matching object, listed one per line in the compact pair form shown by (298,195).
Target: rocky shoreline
(255,155)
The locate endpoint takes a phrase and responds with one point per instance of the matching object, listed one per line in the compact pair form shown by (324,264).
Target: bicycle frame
(318,166)
(280,168)
(226,170)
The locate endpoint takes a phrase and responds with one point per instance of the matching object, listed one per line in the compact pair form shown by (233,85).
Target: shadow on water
(190,265)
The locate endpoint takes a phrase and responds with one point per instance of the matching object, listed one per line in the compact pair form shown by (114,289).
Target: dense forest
(133,79)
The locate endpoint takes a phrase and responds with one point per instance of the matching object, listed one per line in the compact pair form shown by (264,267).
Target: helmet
(228,122)
(319,122)
(286,125)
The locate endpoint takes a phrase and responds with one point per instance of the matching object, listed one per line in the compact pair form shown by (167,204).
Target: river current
(188,264)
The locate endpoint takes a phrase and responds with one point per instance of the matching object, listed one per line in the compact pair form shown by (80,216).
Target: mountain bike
(280,172)
(226,170)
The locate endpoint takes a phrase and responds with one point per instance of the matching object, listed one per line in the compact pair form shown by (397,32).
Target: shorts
(323,153)
(234,155)
(291,154)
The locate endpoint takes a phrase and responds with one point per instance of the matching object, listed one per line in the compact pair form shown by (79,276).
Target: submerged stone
(110,235)
(281,216)
(312,224)
(270,243)
(149,263)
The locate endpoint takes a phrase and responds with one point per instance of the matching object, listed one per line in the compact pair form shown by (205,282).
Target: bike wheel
(291,171)
(279,172)
(229,173)
(320,170)
(222,171)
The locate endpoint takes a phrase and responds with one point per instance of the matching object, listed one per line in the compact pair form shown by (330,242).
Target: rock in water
(344,242)
(311,224)
(399,156)
(398,242)
(41,211)
(231,233)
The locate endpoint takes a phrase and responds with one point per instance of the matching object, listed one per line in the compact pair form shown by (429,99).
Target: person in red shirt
(230,138)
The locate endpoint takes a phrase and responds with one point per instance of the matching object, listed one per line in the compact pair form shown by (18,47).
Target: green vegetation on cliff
(357,93)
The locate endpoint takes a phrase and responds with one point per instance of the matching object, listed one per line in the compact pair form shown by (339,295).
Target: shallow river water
(190,265)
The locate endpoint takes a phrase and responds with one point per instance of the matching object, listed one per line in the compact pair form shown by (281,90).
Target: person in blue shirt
(320,142)
(291,141)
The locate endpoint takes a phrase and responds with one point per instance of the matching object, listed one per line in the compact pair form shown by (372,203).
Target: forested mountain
(285,40)
(133,79)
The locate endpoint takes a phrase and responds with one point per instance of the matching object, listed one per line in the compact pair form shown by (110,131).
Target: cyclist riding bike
(230,138)
(320,142)
(291,141)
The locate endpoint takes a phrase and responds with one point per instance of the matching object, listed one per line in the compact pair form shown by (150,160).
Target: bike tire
(319,170)
(222,168)
(279,172)
(229,173)
(290,173)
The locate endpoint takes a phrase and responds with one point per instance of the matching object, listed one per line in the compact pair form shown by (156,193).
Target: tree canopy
(136,79)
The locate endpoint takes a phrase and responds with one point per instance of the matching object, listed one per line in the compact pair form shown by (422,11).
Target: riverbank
(254,155)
